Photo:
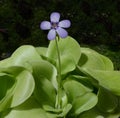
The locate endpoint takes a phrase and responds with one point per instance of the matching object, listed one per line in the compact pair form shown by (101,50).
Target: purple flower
(55,26)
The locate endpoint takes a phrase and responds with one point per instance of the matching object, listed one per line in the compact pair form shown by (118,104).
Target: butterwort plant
(62,80)
(56,31)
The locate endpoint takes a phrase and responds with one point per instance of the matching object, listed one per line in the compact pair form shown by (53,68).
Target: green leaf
(51,109)
(107,102)
(6,82)
(92,113)
(24,88)
(6,85)
(69,53)
(95,113)
(113,115)
(65,111)
(107,62)
(84,103)
(59,112)
(93,60)
(107,79)
(74,89)
(41,50)
(29,109)
(46,83)
(12,70)
(21,57)
(20,90)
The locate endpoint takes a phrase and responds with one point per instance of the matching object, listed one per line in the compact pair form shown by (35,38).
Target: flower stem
(59,75)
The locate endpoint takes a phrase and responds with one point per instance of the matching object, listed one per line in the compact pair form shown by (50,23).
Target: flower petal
(64,23)
(54,17)
(45,25)
(62,32)
(51,34)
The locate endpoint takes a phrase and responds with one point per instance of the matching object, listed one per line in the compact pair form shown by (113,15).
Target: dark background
(95,24)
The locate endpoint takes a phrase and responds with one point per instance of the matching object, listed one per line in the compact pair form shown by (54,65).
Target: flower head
(55,26)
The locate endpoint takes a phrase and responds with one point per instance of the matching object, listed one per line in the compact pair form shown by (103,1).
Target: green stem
(59,75)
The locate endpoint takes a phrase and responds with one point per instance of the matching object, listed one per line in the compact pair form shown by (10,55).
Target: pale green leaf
(41,50)
(93,60)
(7,86)
(65,111)
(46,83)
(30,109)
(84,103)
(74,89)
(107,102)
(107,79)
(21,89)
(69,53)
(95,113)
(92,113)
(6,82)
(21,57)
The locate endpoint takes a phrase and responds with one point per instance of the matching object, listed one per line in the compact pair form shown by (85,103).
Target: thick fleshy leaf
(59,112)
(45,25)
(41,51)
(107,102)
(74,89)
(107,79)
(117,115)
(93,113)
(51,109)
(24,80)
(46,82)
(6,82)
(84,80)
(55,17)
(21,89)
(108,63)
(6,85)
(84,103)
(93,60)
(21,57)
(30,109)
(69,53)
(66,109)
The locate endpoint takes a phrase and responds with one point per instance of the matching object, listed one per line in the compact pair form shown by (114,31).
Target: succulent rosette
(37,82)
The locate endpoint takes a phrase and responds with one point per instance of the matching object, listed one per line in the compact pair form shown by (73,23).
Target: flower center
(54,25)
